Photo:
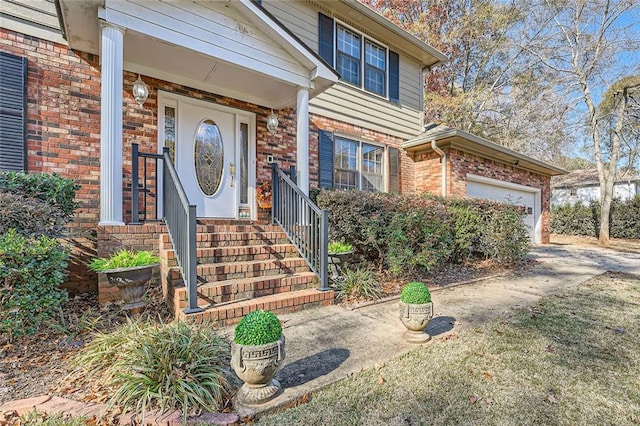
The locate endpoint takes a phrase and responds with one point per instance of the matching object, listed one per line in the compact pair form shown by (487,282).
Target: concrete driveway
(328,344)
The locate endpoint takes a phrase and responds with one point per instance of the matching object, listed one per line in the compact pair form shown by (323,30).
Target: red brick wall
(428,173)
(358,133)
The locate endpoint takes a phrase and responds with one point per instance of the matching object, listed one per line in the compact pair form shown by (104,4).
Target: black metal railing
(306,225)
(138,214)
(180,218)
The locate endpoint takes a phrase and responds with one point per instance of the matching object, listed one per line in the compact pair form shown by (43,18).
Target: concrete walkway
(328,344)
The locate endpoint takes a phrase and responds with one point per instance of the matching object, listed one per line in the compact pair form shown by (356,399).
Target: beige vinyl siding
(32,17)
(299,17)
(410,83)
(351,105)
(345,102)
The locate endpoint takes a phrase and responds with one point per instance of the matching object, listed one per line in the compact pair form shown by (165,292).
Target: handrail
(136,155)
(180,218)
(306,225)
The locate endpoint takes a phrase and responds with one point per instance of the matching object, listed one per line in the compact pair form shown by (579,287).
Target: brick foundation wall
(363,134)
(428,173)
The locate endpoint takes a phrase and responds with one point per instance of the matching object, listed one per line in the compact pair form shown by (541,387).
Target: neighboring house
(345,85)
(583,186)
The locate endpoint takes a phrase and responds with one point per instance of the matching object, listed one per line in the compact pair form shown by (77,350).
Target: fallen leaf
(550,398)
(550,349)
(487,375)
(498,331)
(490,401)
(378,366)
(477,330)
(380,380)
(473,399)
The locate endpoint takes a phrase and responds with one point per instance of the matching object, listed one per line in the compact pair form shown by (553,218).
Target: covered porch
(235,50)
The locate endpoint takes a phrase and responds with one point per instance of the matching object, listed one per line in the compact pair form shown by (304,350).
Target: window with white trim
(358,165)
(350,64)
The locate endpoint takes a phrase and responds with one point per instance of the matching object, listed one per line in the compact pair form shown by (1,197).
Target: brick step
(212,272)
(217,239)
(246,288)
(228,314)
(238,253)
(239,227)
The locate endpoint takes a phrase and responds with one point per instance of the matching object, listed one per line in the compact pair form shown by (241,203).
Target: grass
(573,358)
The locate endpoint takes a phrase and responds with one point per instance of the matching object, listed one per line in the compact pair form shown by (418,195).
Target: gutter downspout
(443,162)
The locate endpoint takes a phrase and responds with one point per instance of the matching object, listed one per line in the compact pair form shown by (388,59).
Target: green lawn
(573,358)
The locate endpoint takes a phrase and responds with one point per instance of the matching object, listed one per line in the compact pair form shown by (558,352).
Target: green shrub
(55,190)
(165,366)
(31,269)
(625,219)
(258,328)
(505,239)
(576,219)
(415,293)
(419,237)
(338,247)
(359,283)
(123,259)
(30,216)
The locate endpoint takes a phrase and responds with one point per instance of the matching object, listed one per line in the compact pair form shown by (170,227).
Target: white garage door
(504,192)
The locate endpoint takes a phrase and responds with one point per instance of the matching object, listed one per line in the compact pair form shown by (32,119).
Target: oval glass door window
(208,157)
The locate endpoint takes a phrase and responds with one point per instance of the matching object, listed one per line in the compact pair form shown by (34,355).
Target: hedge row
(404,233)
(33,211)
(585,220)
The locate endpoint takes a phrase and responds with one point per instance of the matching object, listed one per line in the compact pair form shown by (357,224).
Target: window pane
(348,56)
(170,131)
(346,164)
(374,80)
(372,168)
(348,42)
(244,163)
(375,68)
(375,55)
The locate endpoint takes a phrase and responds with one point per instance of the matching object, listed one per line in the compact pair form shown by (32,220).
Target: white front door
(206,159)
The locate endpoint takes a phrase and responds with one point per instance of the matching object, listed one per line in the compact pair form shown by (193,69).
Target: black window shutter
(13,112)
(259,2)
(394,77)
(325,43)
(325,157)
(394,170)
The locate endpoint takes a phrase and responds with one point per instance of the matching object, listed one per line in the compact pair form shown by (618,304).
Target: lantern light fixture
(140,91)
(272,122)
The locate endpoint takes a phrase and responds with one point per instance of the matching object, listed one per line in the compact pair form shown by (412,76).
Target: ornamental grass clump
(258,328)
(359,283)
(415,293)
(145,366)
(123,259)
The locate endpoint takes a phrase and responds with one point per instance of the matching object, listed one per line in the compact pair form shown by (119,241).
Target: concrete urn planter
(132,283)
(256,366)
(337,261)
(416,319)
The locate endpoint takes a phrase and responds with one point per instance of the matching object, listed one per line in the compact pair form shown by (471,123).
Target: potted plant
(339,254)
(257,353)
(129,271)
(416,310)
(263,195)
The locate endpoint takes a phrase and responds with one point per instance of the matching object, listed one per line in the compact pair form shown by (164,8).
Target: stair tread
(251,280)
(290,295)
(252,247)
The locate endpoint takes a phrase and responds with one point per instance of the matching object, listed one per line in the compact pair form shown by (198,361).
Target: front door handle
(232,172)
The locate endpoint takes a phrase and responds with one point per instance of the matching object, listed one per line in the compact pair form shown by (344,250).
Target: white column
(302,137)
(111,125)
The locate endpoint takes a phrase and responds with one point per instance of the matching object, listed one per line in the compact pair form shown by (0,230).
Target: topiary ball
(415,293)
(258,328)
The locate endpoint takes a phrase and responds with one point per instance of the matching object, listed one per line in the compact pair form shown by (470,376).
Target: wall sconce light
(140,91)
(272,122)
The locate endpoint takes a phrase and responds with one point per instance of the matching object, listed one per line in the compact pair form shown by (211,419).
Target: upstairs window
(348,54)
(359,60)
